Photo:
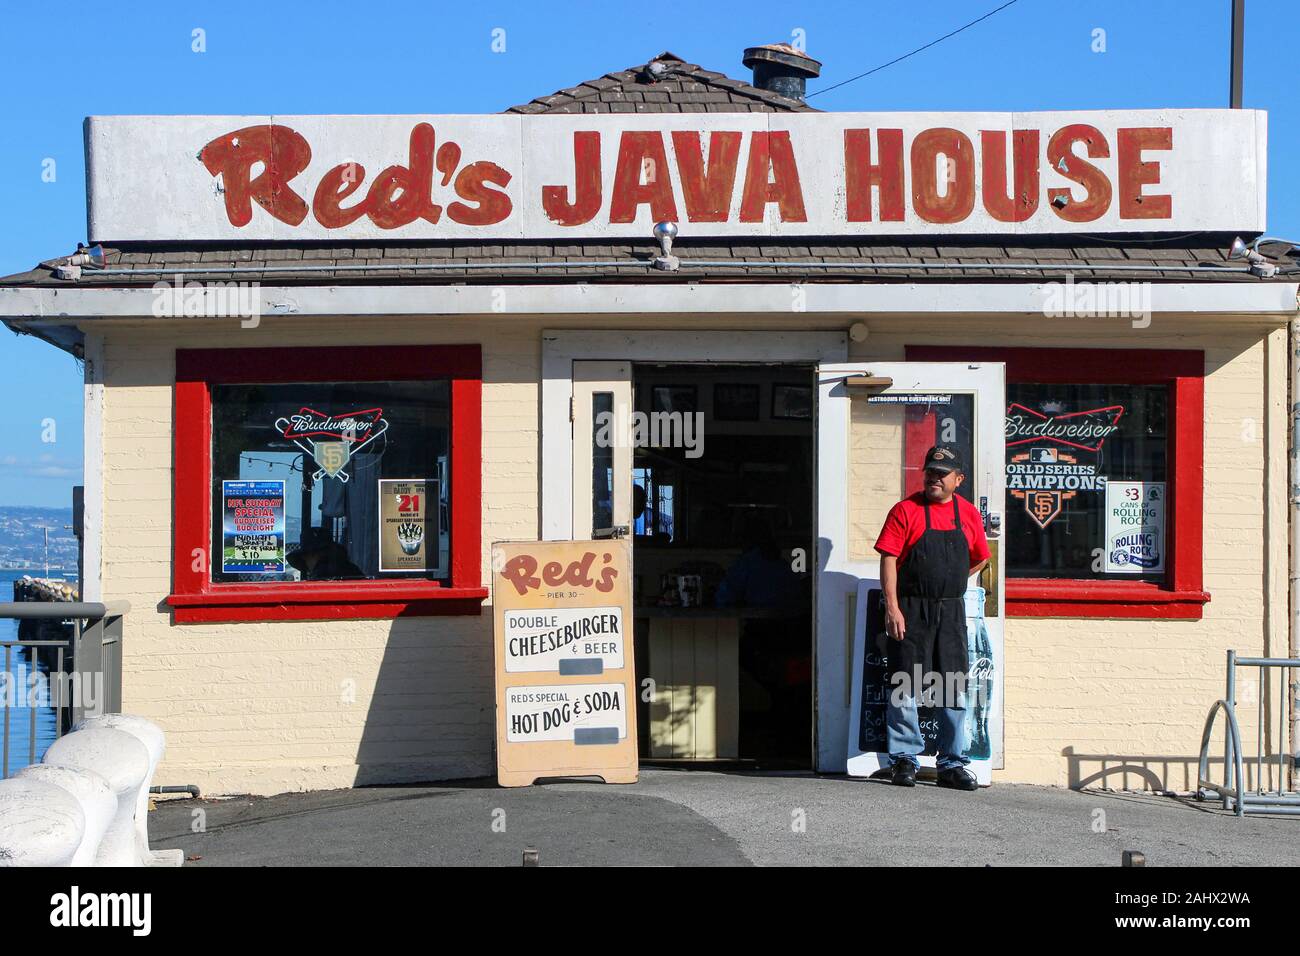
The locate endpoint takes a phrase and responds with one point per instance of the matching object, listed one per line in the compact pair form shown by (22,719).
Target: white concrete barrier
(155,742)
(40,824)
(87,803)
(91,790)
(124,762)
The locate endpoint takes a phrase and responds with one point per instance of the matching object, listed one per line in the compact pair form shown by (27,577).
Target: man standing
(931,544)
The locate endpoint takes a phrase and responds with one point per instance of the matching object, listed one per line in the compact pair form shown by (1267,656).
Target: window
(1086,481)
(1103,466)
(329,482)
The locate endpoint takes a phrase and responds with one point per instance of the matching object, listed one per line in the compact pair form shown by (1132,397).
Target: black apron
(931,596)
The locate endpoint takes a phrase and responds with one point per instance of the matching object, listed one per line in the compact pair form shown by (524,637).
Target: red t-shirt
(906,523)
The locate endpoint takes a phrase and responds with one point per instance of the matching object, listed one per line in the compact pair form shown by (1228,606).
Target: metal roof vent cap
(780,68)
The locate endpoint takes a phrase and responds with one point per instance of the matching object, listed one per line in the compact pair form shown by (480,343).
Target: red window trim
(196,598)
(1183,370)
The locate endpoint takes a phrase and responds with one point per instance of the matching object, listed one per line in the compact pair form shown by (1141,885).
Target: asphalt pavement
(706,818)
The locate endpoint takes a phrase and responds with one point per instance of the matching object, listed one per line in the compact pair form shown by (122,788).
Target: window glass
(330,481)
(602,463)
(931,420)
(1086,481)
(889,434)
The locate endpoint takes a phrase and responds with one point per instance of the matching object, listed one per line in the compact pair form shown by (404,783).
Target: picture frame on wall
(736,402)
(792,402)
(674,398)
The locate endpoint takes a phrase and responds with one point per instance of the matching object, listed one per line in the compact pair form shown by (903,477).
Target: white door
(875,421)
(601,414)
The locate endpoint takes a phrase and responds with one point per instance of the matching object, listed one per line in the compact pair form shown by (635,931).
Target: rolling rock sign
(562,613)
(297,178)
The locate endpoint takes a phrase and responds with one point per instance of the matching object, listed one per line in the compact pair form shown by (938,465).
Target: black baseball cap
(943,458)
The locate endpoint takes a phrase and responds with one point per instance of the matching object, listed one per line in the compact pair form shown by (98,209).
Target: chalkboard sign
(872,688)
(875,677)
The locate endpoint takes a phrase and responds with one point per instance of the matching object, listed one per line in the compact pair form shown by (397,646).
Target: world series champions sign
(562,619)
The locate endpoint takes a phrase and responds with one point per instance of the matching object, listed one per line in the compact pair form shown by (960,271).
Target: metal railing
(1235,790)
(86,676)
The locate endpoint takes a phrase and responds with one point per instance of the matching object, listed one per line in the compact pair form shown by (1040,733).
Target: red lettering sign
(1134,173)
(521,571)
(1060,154)
(935,178)
(885,176)
(397,197)
(1023,199)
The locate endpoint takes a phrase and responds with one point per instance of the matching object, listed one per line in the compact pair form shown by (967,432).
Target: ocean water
(16,716)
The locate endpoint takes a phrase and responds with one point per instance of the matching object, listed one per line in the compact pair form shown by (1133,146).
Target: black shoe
(904,774)
(955,778)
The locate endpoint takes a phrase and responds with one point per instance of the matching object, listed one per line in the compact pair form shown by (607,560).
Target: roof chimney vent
(780,68)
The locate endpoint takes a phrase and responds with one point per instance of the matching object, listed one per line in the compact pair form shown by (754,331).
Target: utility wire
(913,53)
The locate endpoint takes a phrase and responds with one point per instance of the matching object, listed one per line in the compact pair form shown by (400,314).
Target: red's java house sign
(485,177)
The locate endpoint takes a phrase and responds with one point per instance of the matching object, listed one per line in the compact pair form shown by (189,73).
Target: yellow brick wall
(269,707)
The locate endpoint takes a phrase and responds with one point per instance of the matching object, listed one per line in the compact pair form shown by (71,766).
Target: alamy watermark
(652,430)
(208,300)
(1098,300)
(32,689)
(956,689)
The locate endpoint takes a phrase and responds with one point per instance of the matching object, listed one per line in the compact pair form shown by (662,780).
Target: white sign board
(577,713)
(563,639)
(292,178)
(1135,527)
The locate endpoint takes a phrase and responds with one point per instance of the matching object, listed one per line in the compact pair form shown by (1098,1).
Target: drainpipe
(1293,643)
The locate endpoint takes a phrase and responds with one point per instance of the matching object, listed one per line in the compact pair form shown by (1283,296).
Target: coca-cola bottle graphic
(980,689)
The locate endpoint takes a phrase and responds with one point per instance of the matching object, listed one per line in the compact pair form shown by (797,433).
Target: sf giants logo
(522,571)
(1044,506)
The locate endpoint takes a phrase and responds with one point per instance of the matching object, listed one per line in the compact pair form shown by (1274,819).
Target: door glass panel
(889,435)
(602,461)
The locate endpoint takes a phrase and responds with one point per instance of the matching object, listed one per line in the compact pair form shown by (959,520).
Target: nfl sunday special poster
(252,527)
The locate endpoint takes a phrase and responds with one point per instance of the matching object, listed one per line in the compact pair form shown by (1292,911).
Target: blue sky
(437,58)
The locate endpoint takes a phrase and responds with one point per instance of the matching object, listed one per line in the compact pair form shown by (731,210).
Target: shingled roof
(992,259)
(664,84)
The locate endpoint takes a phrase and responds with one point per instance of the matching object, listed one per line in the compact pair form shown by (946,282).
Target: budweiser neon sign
(350,426)
(1086,430)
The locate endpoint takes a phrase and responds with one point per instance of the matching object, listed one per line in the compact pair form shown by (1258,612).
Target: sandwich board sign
(562,619)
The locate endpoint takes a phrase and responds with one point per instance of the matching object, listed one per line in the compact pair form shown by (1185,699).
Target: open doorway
(723,532)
